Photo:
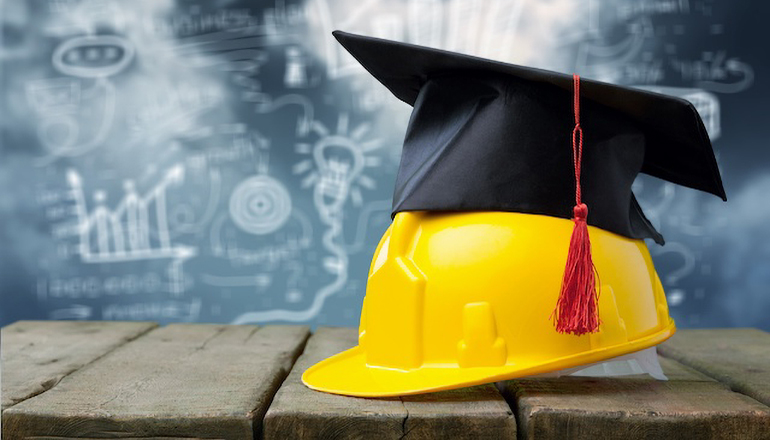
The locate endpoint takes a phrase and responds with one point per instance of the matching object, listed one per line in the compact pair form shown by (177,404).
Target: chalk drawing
(93,56)
(75,311)
(261,280)
(295,75)
(182,217)
(338,161)
(59,102)
(260,205)
(674,294)
(123,233)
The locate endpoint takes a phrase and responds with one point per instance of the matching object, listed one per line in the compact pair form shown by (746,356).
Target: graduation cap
(491,136)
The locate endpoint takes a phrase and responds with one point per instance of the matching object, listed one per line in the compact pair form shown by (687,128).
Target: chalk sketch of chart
(124,233)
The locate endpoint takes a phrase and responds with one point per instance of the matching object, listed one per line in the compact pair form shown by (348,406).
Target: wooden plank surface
(300,413)
(688,406)
(478,412)
(183,380)
(738,357)
(36,355)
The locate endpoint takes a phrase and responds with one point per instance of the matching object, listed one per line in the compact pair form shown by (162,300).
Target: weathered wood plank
(36,355)
(688,406)
(183,380)
(738,357)
(121,438)
(478,412)
(300,413)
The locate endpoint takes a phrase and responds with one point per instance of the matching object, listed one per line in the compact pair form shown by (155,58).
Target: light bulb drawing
(337,164)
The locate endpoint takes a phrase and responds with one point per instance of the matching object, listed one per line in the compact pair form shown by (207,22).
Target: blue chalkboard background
(226,161)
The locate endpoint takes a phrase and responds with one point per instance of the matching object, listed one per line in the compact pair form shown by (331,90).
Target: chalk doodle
(269,105)
(58,103)
(182,218)
(261,281)
(675,294)
(295,76)
(335,173)
(123,233)
(93,286)
(171,310)
(172,113)
(270,254)
(93,56)
(231,162)
(60,100)
(338,161)
(75,311)
(293,292)
(715,72)
(260,205)
(235,52)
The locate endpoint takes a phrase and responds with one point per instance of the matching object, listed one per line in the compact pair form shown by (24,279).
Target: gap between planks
(300,413)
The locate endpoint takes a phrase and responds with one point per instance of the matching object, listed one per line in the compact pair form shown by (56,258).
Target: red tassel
(577,311)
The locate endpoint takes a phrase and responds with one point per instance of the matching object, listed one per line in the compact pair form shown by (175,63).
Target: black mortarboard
(491,136)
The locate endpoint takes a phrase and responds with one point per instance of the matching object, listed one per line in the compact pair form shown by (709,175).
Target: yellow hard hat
(458,299)
(485,273)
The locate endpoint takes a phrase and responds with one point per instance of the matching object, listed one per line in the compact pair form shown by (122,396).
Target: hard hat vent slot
(481,346)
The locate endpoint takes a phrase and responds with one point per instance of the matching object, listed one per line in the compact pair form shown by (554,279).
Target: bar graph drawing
(136,229)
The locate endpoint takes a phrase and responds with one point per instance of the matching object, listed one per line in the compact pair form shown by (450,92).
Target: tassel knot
(581,212)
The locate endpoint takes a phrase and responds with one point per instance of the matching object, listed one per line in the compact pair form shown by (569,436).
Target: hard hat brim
(347,373)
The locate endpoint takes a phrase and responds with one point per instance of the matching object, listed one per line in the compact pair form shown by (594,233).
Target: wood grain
(688,406)
(106,380)
(738,357)
(183,380)
(36,355)
(300,413)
